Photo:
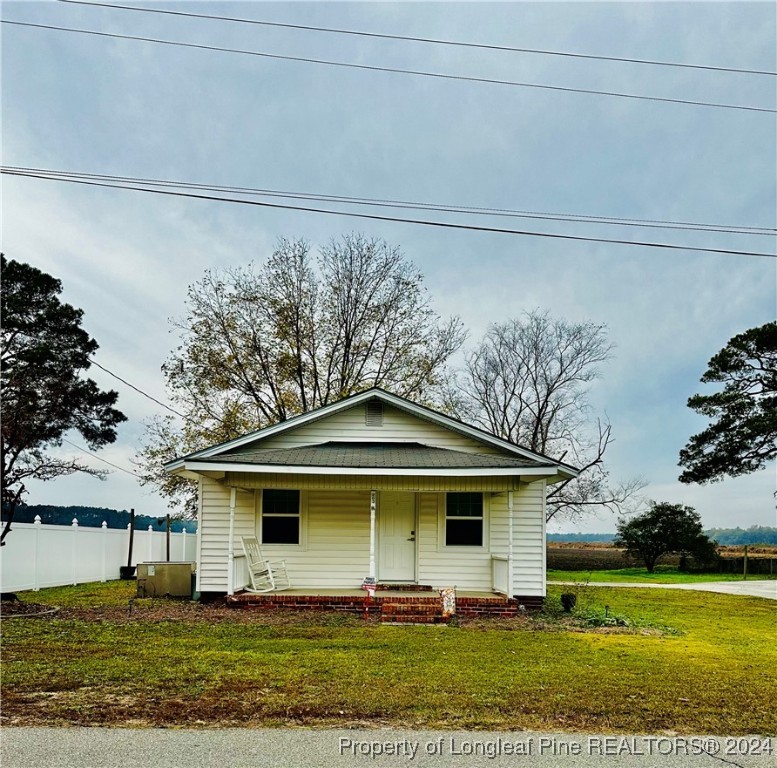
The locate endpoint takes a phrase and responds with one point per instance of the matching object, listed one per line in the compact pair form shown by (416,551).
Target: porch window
(464,519)
(280,517)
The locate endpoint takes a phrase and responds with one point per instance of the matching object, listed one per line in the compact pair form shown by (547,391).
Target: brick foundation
(391,608)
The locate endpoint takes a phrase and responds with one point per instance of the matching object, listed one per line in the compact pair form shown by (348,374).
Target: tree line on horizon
(92,517)
(725,537)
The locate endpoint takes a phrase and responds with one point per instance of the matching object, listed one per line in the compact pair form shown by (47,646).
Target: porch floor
(379,594)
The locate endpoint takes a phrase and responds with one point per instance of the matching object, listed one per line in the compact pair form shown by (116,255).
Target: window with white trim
(281,517)
(464,519)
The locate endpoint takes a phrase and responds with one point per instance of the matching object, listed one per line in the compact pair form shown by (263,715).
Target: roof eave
(201,465)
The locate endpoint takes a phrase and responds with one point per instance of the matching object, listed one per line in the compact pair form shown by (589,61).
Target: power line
(435,41)
(425,206)
(100,458)
(375,217)
(393,70)
(137,389)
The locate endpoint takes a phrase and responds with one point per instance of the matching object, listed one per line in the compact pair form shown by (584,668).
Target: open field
(726,550)
(690,662)
(663,574)
(563,556)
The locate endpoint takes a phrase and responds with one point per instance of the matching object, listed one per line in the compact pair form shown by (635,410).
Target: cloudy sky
(100,105)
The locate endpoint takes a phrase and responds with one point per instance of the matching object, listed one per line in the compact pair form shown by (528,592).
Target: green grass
(663,574)
(184,665)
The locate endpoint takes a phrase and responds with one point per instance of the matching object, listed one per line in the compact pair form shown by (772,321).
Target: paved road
(306,748)
(753,588)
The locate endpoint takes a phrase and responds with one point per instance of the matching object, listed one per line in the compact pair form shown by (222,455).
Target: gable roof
(219,453)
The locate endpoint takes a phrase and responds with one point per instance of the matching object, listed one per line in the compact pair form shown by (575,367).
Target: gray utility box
(166,579)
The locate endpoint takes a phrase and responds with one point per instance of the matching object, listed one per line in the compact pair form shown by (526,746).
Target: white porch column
(510,509)
(373,498)
(231,543)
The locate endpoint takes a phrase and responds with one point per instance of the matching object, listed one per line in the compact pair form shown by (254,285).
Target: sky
(99,105)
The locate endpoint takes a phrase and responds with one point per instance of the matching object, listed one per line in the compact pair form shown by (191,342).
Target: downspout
(510,508)
(231,543)
(373,495)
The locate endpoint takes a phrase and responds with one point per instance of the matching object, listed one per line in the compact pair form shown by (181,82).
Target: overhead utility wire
(384,203)
(375,217)
(100,458)
(137,389)
(410,38)
(393,70)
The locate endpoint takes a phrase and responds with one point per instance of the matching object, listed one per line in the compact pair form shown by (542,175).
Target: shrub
(568,601)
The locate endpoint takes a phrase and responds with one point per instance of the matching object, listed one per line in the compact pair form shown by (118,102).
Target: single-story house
(374,486)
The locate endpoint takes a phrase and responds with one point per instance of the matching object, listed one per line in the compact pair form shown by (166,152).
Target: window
(464,520)
(280,517)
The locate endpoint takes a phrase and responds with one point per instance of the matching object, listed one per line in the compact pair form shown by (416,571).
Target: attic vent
(373,413)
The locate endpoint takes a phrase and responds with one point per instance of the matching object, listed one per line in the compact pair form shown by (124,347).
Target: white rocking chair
(265,576)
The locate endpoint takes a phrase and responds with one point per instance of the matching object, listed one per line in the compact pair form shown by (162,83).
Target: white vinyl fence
(37,555)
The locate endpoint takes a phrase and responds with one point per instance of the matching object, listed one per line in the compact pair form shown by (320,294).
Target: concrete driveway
(753,588)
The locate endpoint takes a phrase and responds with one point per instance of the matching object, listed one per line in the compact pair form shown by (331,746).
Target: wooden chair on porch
(266,576)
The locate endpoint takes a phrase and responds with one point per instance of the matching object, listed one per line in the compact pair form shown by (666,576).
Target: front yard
(690,662)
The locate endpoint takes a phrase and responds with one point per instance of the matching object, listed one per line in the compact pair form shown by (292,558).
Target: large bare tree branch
(527,382)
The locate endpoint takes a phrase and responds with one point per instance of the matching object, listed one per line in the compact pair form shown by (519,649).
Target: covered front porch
(389,537)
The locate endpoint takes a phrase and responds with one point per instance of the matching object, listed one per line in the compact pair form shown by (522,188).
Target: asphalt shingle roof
(375,455)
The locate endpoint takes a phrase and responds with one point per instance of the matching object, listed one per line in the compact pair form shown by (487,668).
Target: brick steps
(426,612)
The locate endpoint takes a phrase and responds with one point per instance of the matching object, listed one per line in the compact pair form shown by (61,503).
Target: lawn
(663,574)
(691,663)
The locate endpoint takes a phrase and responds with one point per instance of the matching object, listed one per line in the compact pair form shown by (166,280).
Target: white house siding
(528,538)
(529,576)
(336,539)
(213,527)
(443,567)
(398,426)
(471,569)
(336,551)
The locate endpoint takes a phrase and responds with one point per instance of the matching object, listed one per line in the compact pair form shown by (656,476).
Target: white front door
(396,558)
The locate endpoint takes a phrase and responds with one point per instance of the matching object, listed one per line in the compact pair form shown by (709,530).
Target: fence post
(74,549)
(103,576)
(744,565)
(183,544)
(36,576)
(150,543)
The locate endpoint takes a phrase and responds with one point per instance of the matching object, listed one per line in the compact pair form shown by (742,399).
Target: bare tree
(527,382)
(262,344)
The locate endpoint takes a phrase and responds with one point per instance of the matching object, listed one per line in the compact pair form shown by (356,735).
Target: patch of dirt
(188,612)
(542,622)
(14,608)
